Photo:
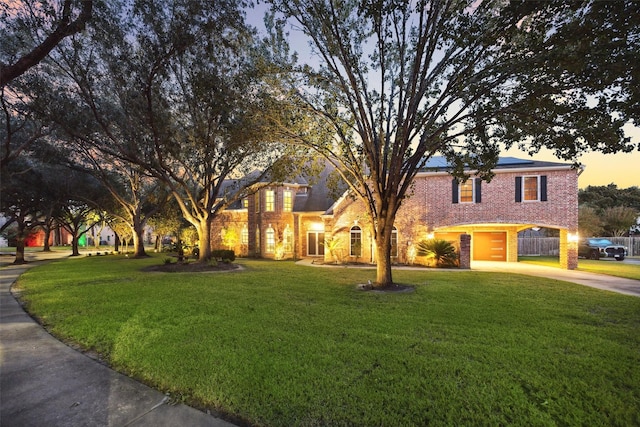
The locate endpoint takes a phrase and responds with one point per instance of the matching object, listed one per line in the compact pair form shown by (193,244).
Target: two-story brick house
(293,220)
(279,220)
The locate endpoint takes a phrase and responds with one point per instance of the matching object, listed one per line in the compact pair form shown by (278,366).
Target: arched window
(270,246)
(287,238)
(356,241)
(244,235)
(394,242)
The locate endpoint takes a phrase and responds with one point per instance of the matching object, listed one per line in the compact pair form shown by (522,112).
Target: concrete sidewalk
(44,382)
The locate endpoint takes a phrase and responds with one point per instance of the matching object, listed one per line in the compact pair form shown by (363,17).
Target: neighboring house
(293,220)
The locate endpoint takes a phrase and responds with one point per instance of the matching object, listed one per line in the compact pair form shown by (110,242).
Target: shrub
(166,260)
(441,251)
(223,254)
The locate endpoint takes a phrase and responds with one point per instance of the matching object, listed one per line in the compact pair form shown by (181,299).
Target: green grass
(602,266)
(283,345)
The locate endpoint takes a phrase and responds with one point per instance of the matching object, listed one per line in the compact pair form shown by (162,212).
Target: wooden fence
(551,245)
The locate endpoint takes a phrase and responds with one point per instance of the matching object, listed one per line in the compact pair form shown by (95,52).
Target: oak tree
(397,83)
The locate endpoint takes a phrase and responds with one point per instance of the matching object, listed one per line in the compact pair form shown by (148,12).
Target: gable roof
(318,197)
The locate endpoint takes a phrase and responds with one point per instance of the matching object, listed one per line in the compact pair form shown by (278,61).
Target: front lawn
(609,266)
(280,344)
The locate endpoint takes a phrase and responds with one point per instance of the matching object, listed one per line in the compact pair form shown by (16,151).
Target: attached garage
(489,246)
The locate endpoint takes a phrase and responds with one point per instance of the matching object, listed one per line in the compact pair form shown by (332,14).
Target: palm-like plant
(441,251)
(333,245)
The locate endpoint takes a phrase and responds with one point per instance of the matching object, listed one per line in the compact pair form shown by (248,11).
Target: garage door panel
(490,246)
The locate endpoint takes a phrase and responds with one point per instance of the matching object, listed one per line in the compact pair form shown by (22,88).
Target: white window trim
(473,191)
(270,240)
(353,231)
(524,186)
(271,208)
(286,208)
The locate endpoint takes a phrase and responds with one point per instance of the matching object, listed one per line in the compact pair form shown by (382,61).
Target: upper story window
(466,191)
(469,191)
(287,201)
(269,201)
(531,188)
(256,199)
(245,203)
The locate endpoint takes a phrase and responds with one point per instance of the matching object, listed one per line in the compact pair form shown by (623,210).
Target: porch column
(465,251)
(512,245)
(568,250)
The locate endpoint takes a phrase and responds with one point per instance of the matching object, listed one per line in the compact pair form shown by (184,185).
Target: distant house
(296,219)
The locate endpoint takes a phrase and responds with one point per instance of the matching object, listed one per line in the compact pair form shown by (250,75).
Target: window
(466,191)
(394,242)
(287,238)
(270,201)
(356,241)
(287,202)
(244,235)
(531,188)
(530,191)
(256,199)
(245,203)
(257,251)
(270,246)
(469,191)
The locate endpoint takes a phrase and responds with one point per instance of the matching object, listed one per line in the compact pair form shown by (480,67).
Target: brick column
(465,251)
(512,245)
(568,250)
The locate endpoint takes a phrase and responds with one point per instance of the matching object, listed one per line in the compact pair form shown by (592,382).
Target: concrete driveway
(599,281)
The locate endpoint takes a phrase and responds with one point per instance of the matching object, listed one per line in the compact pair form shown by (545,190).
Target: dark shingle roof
(318,196)
(440,163)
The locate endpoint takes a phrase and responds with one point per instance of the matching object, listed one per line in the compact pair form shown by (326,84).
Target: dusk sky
(622,169)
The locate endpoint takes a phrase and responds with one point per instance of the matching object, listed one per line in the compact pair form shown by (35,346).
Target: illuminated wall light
(316,226)
(573,237)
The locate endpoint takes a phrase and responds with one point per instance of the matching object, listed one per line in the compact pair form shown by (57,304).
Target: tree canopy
(175,88)
(399,82)
(31,29)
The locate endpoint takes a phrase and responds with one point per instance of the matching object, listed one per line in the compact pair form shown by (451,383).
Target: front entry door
(315,243)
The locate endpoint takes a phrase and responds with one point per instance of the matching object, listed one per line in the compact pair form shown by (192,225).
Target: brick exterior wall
(233,221)
(428,211)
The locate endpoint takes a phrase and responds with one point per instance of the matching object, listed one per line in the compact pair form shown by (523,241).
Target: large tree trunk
(75,250)
(138,239)
(20,246)
(204,240)
(383,255)
(47,236)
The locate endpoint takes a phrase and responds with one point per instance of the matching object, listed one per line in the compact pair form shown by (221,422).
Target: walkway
(46,383)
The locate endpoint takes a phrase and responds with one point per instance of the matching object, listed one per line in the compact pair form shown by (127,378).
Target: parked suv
(595,248)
